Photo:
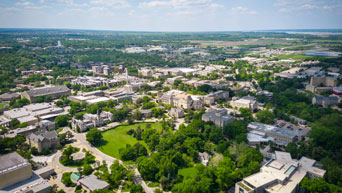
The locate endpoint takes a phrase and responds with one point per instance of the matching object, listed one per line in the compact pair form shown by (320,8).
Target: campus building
(281,174)
(32,113)
(181,99)
(54,92)
(91,121)
(210,98)
(16,176)
(13,169)
(281,136)
(321,84)
(324,101)
(247,102)
(218,116)
(43,140)
(177,112)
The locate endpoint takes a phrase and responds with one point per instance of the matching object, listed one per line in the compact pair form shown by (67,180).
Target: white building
(91,121)
(245,102)
(32,113)
(280,175)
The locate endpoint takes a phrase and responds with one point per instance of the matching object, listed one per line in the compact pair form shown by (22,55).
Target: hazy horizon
(172,15)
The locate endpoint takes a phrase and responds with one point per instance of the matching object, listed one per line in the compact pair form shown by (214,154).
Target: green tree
(225,173)
(14,123)
(148,168)
(94,136)
(87,169)
(202,182)
(265,116)
(61,121)
(136,189)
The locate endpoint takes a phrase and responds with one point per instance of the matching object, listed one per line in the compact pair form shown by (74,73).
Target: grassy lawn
(2,105)
(299,57)
(187,172)
(118,138)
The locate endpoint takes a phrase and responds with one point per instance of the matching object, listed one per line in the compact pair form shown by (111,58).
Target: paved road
(60,169)
(137,179)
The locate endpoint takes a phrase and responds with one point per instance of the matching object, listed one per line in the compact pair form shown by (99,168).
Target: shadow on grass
(101,143)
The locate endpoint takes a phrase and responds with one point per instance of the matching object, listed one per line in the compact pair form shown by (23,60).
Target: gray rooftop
(92,183)
(47,91)
(43,135)
(273,129)
(11,161)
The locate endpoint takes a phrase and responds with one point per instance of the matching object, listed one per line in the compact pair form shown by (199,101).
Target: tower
(126,72)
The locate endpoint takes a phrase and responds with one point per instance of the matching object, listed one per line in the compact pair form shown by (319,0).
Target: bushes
(87,169)
(66,180)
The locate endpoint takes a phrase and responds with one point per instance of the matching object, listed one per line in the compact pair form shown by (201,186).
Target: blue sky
(172,15)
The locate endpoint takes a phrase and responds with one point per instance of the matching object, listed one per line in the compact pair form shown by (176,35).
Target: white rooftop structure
(280,175)
(97,100)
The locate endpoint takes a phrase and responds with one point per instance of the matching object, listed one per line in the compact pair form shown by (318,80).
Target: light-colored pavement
(139,180)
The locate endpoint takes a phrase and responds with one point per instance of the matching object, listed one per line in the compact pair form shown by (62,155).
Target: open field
(187,172)
(227,43)
(300,57)
(118,138)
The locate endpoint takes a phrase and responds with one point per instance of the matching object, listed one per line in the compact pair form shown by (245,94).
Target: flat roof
(93,183)
(11,161)
(44,169)
(97,100)
(16,113)
(37,106)
(27,119)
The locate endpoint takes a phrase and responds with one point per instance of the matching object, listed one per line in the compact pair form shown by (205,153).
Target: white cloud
(132,12)
(111,3)
(242,10)
(24,3)
(97,9)
(308,6)
(29,5)
(177,4)
(215,6)
(71,3)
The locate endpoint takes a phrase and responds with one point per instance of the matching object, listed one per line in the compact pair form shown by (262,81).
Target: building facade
(43,140)
(245,102)
(13,169)
(91,121)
